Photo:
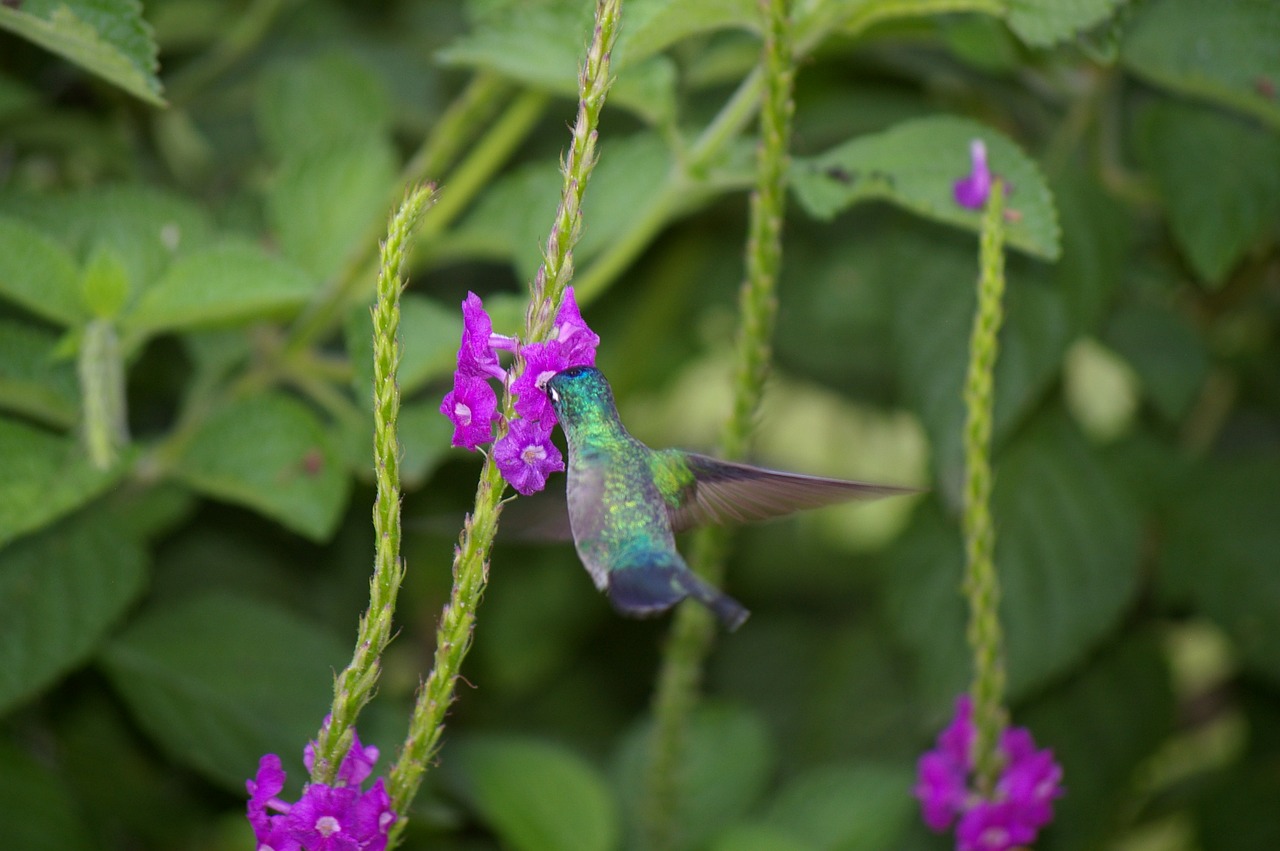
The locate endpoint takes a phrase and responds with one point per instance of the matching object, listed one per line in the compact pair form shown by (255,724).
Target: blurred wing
(724,492)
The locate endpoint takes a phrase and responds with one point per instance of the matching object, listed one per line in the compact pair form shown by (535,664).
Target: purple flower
(356,765)
(972,191)
(325,818)
(476,357)
(541,361)
(1020,805)
(526,456)
(472,407)
(992,826)
(577,342)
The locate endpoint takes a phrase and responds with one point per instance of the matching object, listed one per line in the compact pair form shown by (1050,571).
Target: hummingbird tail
(655,584)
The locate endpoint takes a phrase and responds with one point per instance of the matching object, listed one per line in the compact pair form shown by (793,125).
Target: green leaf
(1067,552)
(104,283)
(535,795)
(61,591)
(106,37)
(430,332)
(915,165)
(1221,548)
(319,102)
(146,227)
(932,321)
(510,219)
(218,681)
(232,282)
(847,808)
(1041,23)
(45,477)
(1165,352)
(38,273)
(1102,743)
(269,453)
(1224,52)
(726,765)
(543,44)
(758,837)
(1097,232)
(1228,202)
(654,25)
(32,381)
(424,441)
(51,819)
(324,199)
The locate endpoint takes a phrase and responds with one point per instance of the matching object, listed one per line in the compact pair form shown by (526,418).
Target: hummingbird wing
(716,492)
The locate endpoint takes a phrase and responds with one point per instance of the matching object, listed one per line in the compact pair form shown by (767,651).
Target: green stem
(693,631)
(241,37)
(354,686)
(981,585)
(471,557)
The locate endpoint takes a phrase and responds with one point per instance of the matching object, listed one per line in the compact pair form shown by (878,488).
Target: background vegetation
(187,260)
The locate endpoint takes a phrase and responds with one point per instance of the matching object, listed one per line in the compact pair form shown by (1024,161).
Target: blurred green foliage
(170,614)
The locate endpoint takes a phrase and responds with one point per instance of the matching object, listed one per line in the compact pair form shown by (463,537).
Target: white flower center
(543,378)
(463,413)
(327,826)
(533,454)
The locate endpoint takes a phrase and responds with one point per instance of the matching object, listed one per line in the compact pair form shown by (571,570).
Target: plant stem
(354,686)
(693,630)
(981,585)
(471,556)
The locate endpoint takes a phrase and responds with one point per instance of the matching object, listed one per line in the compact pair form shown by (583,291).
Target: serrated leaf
(232,282)
(1041,23)
(61,591)
(218,681)
(51,818)
(1220,553)
(324,199)
(535,795)
(846,808)
(32,381)
(320,102)
(45,477)
(542,46)
(915,166)
(1229,202)
(38,273)
(271,454)
(1066,553)
(1225,52)
(106,37)
(726,765)
(654,25)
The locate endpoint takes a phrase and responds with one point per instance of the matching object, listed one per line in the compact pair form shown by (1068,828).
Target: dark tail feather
(650,588)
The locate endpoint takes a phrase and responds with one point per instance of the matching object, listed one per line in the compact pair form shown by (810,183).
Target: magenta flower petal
(991,826)
(1031,779)
(373,817)
(541,361)
(957,740)
(577,341)
(526,456)
(324,819)
(476,357)
(472,407)
(263,789)
(941,790)
(356,765)
(972,191)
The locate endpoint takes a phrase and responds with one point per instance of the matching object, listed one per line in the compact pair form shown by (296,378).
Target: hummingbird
(627,502)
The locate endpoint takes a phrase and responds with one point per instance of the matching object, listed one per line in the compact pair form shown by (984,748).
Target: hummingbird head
(580,394)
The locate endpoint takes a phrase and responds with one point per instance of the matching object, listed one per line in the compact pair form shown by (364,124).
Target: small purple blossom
(526,456)
(1021,803)
(972,191)
(472,407)
(325,818)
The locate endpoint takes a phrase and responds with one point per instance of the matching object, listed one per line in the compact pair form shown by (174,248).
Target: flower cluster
(525,455)
(325,818)
(1021,803)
